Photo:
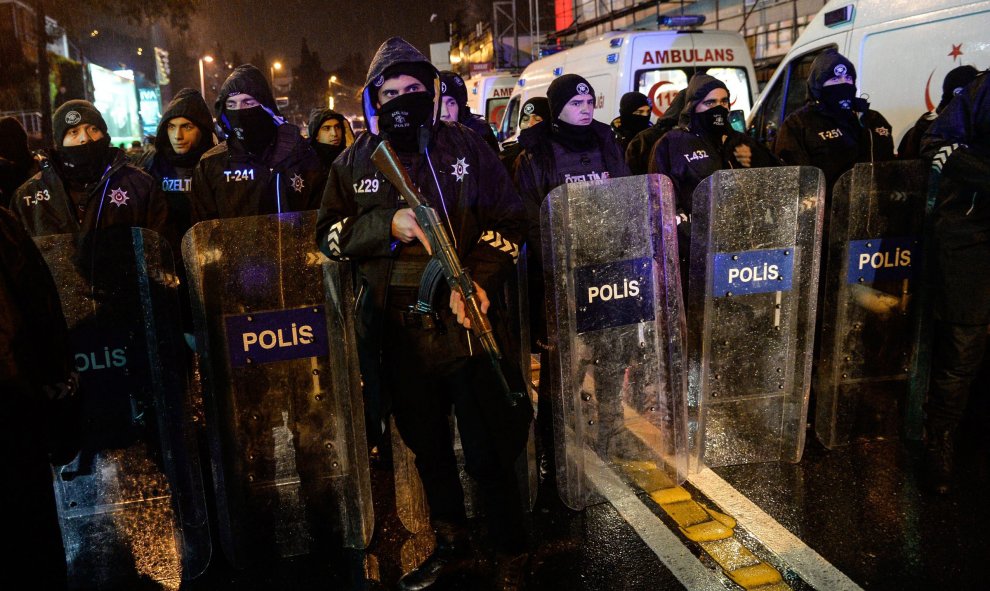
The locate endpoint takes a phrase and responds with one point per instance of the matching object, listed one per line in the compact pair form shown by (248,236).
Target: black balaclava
(452,85)
(955,81)
(83,165)
(15,157)
(559,93)
(253,128)
(401,118)
(397,56)
(630,123)
(839,99)
(715,121)
(189,104)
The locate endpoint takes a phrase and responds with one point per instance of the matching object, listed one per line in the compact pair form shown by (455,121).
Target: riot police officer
(330,134)
(570,147)
(958,143)
(422,364)
(836,129)
(634,117)
(954,83)
(184,134)
(86,184)
(264,167)
(454,107)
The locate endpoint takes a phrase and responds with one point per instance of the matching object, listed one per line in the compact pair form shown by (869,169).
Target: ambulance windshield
(663,84)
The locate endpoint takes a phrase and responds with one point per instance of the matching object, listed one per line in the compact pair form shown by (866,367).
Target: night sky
(332,28)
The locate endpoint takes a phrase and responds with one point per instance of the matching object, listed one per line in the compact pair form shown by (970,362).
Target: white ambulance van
(488,93)
(656,63)
(901,50)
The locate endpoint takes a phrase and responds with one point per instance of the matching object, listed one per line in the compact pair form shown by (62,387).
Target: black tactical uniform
(555,153)
(235,179)
(689,154)
(35,428)
(830,136)
(427,363)
(954,83)
(959,145)
(641,146)
(124,196)
(173,172)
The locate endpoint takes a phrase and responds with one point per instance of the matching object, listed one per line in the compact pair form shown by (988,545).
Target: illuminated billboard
(114,95)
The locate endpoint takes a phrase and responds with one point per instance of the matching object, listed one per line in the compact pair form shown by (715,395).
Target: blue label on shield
(882,259)
(614,294)
(280,335)
(753,271)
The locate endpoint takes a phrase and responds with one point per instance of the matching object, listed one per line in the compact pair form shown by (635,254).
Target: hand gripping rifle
(457,276)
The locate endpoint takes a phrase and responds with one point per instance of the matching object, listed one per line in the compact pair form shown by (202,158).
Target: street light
(330,102)
(275,66)
(202,79)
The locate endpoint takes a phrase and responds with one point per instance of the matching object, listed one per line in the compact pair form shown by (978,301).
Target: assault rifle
(442,247)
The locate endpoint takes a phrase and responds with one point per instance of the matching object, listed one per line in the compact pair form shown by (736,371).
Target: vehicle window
(792,84)
(797,82)
(662,85)
(494,109)
(510,119)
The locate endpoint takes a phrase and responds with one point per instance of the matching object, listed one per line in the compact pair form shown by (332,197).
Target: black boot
(452,554)
(939,457)
(510,571)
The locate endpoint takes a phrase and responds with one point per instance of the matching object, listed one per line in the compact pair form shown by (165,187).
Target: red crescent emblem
(653,97)
(928,98)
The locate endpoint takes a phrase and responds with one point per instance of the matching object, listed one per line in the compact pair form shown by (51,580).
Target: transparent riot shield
(131,505)
(616,323)
(755,243)
(274,328)
(410,498)
(867,344)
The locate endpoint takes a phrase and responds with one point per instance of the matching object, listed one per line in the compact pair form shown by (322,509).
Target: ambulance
(901,50)
(489,92)
(655,63)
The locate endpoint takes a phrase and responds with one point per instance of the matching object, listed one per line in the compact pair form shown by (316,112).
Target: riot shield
(867,344)
(274,329)
(131,506)
(410,498)
(755,242)
(616,326)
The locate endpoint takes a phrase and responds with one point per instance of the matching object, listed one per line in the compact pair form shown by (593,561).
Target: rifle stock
(458,278)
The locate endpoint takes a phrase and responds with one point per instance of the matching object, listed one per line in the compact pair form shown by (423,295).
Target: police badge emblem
(73,118)
(582,88)
(840,70)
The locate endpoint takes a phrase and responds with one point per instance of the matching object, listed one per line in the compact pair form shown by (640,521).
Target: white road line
(813,569)
(669,549)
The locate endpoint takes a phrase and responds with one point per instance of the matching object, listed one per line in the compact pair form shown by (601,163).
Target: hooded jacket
(124,196)
(316,120)
(688,156)
(641,146)
(816,135)
(355,217)
(230,181)
(175,182)
(959,139)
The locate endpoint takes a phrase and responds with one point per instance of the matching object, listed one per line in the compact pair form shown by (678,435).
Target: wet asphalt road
(861,507)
